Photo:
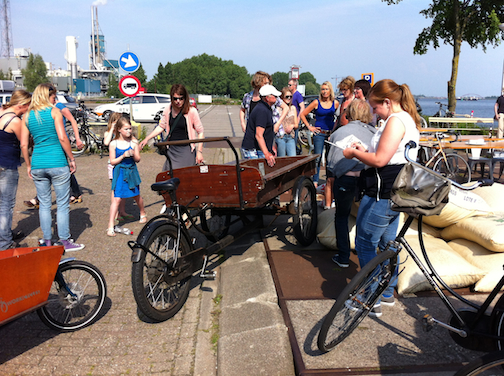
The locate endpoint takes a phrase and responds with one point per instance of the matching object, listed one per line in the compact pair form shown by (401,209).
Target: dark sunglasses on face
(288,96)
(178,98)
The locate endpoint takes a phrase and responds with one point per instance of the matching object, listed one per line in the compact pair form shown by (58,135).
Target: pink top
(194,126)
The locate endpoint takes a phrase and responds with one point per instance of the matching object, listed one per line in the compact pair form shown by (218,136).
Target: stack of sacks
(326,232)
(473,222)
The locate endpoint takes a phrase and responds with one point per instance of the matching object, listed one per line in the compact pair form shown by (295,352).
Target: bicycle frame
(437,282)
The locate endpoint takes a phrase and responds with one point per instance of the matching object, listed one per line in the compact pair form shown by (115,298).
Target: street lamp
(501,26)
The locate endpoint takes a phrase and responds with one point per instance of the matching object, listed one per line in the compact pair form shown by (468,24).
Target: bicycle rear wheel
(455,168)
(356,300)
(488,364)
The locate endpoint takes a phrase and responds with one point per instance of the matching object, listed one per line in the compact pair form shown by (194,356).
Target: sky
(329,38)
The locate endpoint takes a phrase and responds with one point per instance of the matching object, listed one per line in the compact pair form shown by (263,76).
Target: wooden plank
(217,184)
(470,120)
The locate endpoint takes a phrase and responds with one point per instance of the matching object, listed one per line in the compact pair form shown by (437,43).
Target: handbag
(162,149)
(417,190)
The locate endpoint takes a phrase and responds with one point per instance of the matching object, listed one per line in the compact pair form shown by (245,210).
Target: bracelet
(72,160)
(199,151)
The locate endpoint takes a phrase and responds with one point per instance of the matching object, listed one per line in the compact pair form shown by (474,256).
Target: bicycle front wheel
(356,300)
(488,364)
(76,297)
(73,141)
(158,293)
(454,167)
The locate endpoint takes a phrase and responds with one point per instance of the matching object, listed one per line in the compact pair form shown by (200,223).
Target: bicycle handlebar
(479,183)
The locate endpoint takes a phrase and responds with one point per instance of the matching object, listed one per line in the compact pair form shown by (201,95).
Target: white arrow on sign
(129,62)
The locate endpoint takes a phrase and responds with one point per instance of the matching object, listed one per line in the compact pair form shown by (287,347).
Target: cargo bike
(213,200)
(67,294)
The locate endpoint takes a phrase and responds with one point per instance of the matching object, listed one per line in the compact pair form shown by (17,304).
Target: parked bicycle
(87,136)
(68,294)
(450,165)
(470,327)
(211,199)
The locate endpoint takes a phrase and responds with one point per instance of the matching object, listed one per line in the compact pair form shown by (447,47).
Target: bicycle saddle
(169,185)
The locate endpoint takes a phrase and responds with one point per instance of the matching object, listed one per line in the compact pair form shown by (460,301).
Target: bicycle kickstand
(207,274)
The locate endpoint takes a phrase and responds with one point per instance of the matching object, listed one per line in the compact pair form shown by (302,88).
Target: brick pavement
(119,342)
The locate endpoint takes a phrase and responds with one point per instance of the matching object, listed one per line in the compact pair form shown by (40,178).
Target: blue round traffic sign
(129,62)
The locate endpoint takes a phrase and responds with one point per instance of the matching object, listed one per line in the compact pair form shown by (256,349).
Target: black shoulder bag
(162,150)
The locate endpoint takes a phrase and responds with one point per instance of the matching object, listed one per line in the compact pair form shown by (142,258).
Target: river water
(483,108)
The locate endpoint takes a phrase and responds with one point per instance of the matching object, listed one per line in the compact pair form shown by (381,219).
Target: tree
(140,74)
(455,21)
(280,80)
(113,89)
(35,72)
(2,75)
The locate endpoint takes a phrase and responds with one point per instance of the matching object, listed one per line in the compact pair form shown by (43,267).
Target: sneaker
(388,300)
(70,246)
(340,264)
(354,306)
(44,242)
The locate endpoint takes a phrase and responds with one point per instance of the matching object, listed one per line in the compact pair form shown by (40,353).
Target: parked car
(67,100)
(192,102)
(145,106)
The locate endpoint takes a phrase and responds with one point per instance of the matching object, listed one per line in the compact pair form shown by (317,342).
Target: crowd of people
(363,155)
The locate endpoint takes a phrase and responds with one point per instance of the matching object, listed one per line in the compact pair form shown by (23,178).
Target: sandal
(143,219)
(75,200)
(32,204)
(111,232)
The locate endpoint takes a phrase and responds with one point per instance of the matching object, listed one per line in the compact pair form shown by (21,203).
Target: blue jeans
(286,146)
(59,177)
(8,188)
(252,154)
(344,191)
(318,148)
(377,224)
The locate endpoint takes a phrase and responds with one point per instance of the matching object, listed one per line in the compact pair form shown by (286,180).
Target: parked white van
(145,106)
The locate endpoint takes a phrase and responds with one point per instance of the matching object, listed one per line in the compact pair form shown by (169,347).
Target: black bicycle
(470,327)
(90,140)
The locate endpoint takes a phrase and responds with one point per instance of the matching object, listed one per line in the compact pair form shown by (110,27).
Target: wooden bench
(460,120)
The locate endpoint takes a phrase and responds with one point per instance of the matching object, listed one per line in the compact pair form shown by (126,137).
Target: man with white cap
(260,133)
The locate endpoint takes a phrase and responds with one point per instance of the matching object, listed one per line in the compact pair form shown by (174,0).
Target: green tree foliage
(202,74)
(280,80)
(455,21)
(140,74)
(311,85)
(113,90)
(35,72)
(2,75)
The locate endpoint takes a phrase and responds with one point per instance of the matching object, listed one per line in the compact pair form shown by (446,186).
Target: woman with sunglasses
(182,122)
(51,163)
(285,135)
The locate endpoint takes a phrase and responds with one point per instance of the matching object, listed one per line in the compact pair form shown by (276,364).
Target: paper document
(347,142)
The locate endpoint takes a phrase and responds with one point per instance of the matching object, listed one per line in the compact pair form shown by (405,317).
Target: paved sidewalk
(124,342)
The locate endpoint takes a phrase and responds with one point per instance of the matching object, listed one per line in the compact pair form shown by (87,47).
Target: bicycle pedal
(207,274)
(427,323)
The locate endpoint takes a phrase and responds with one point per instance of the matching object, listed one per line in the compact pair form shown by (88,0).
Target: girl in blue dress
(124,154)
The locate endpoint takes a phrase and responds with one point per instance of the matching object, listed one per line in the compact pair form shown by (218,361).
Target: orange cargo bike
(68,294)
(223,202)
